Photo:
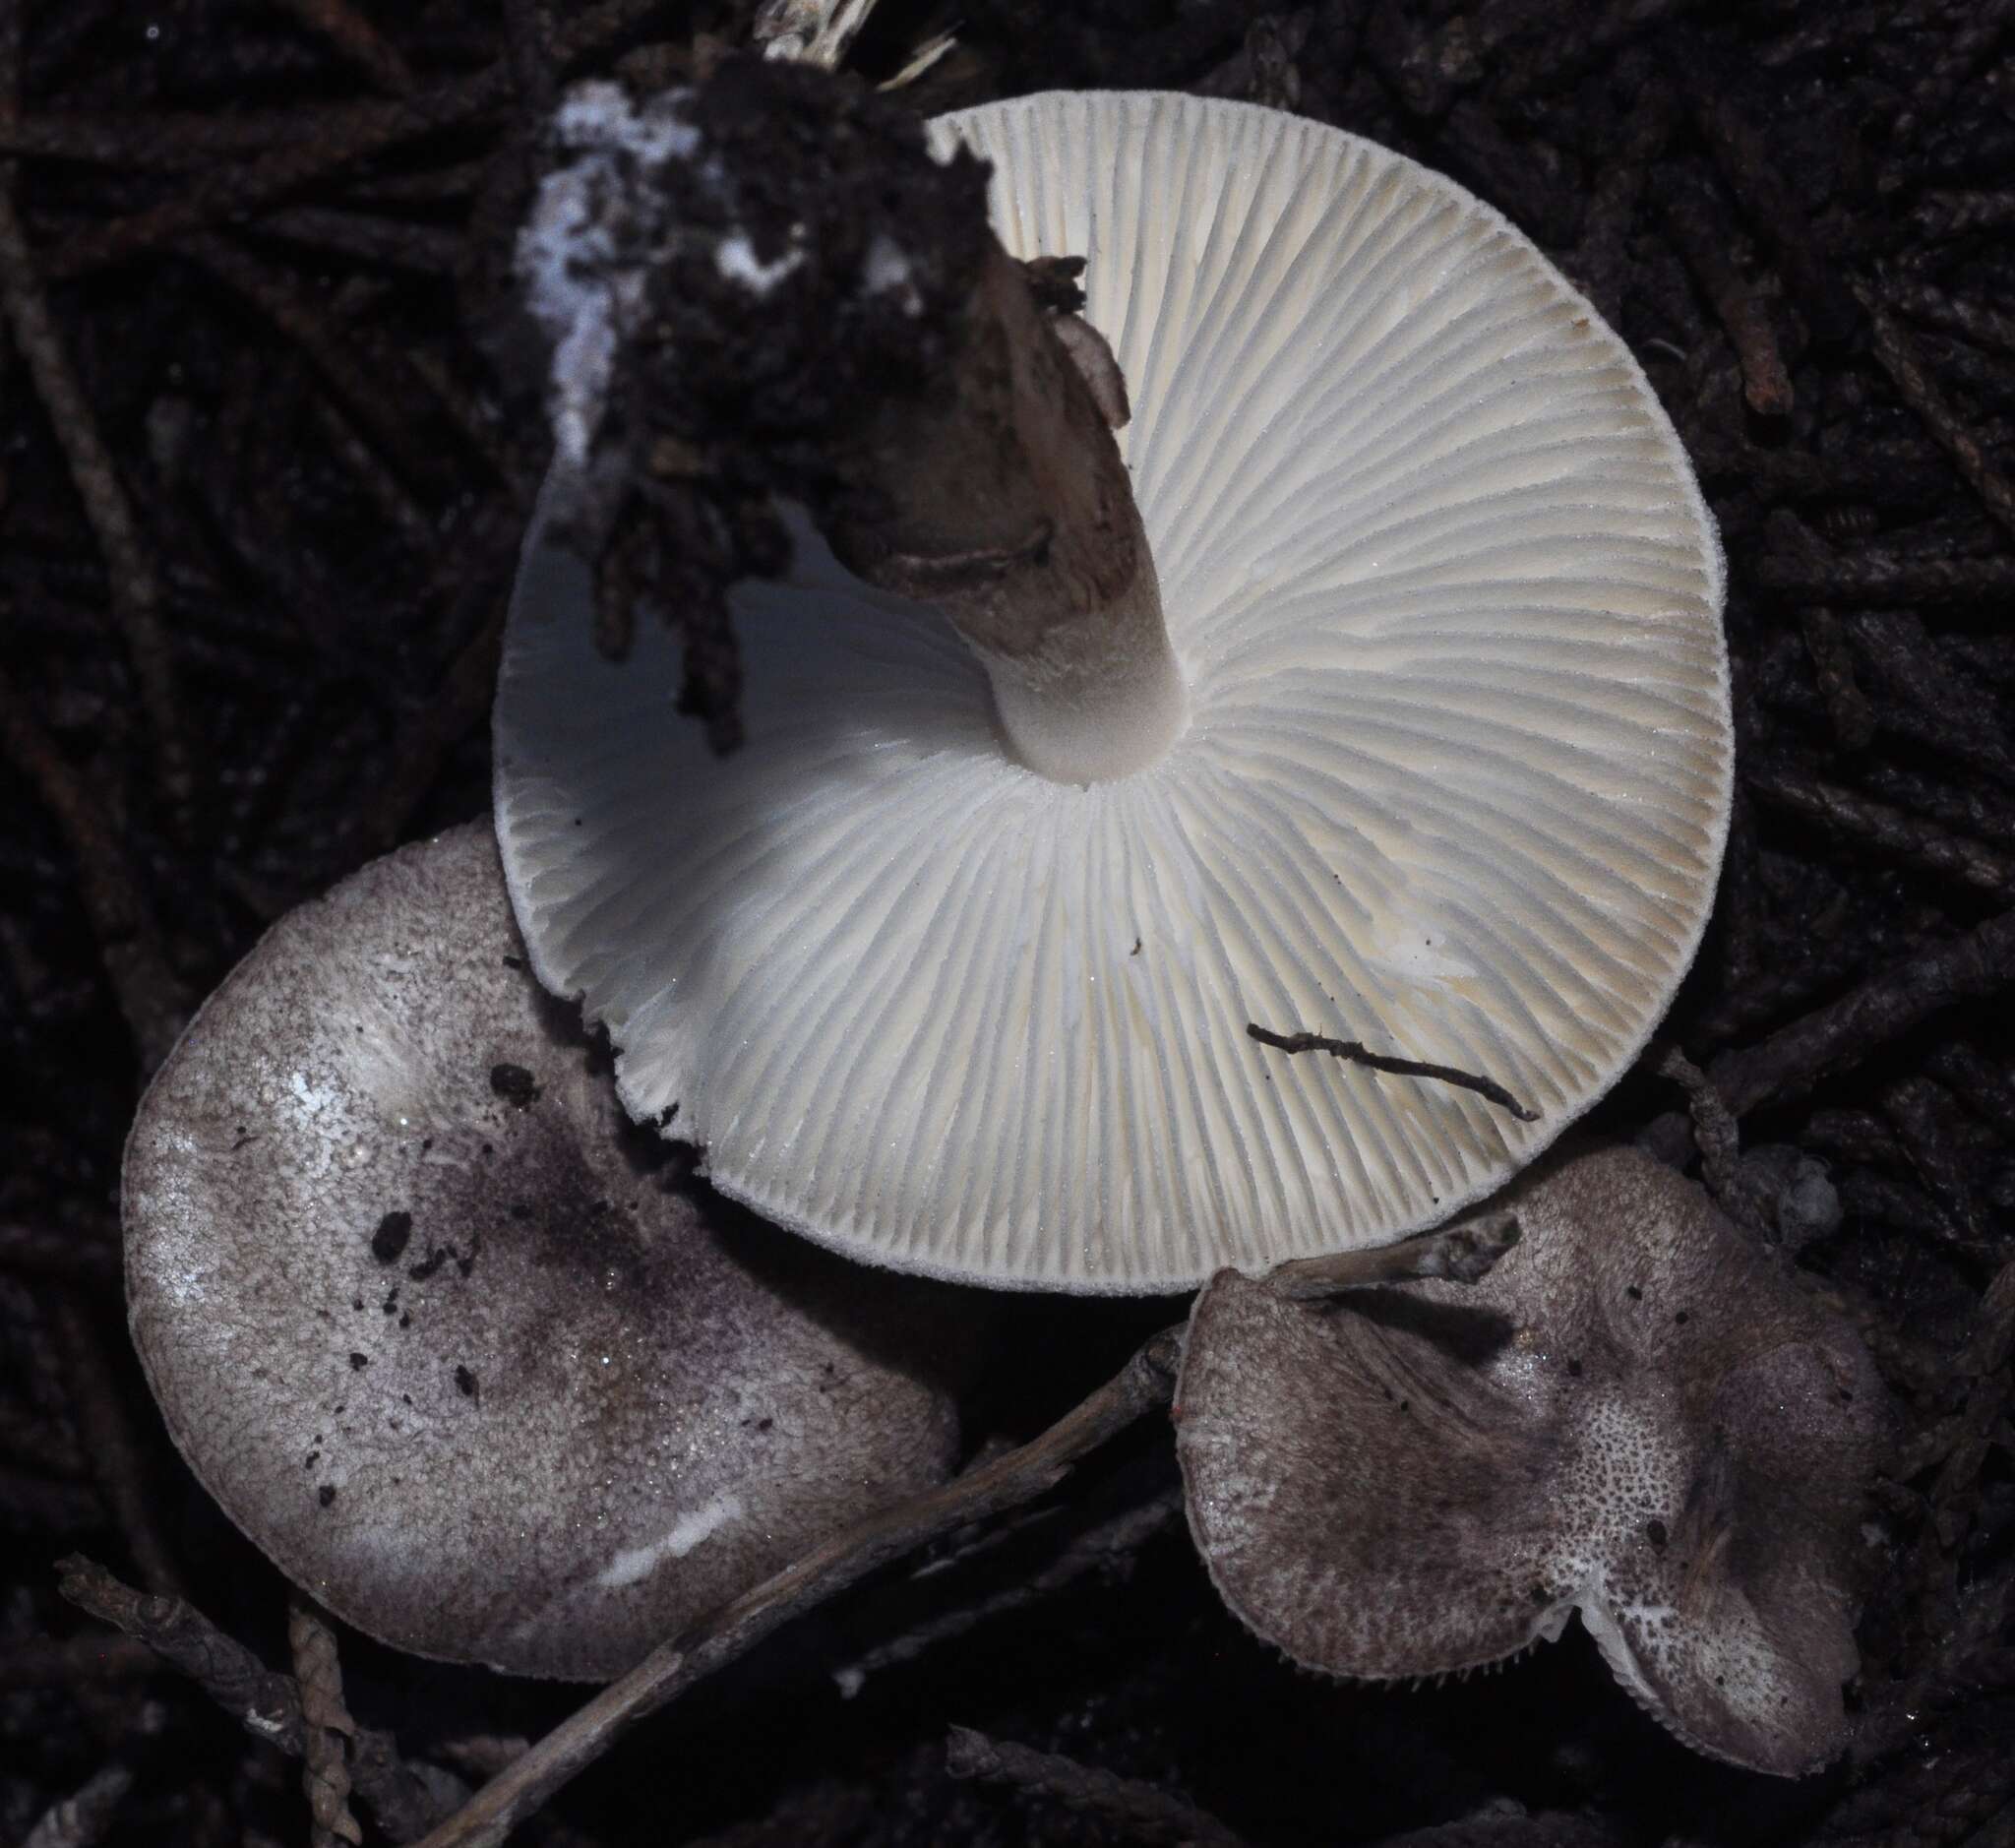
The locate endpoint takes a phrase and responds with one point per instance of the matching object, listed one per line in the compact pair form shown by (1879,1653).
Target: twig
(1976,31)
(108,1442)
(165,140)
(1463,1253)
(1144,1382)
(1743,159)
(1524,178)
(1984,326)
(379,391)
(267,1704)
(483,434)
(327,1728)
(1845,1031)
(1984,1087)
(1847,706)
(150,995)
(1987,1362)
(281,168)
(529,31)
(1897,350)
(1938,215)
(358,134)
(1139,1811)
(1600,263)
(1744,313)
(1928,698)
(431,249)
(1715,1134)
(357,39)
(395,500)
(1109,1544)
(135,590)
(1922,1117)
(1355,1052)
(459,703)
(1857,817)
(81,1821)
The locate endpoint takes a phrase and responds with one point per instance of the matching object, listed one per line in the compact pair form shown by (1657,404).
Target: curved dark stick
(717,1639)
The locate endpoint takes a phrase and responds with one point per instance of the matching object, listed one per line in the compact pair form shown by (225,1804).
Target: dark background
(259,499)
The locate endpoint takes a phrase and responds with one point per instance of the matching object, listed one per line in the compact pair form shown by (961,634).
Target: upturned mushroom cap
(1635,1416)
(464,1366)
(1453,779)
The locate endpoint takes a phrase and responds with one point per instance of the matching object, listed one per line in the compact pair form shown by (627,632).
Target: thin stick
(357,39)
(1356,1052)
(109,1442)
(1462,1254)
(136,590)
(150,995)
(1886,579)
(1108,1547)
(1899,355)
(1845,1031)
(376,389)
(1910,838)
(1715,1132)
(327,1729)
(267,1704)
(1144,1382)
(1743,311)
(367,129)
(81,1821)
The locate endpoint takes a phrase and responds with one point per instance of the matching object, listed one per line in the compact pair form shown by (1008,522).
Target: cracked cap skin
(443,1335)
(1635,1415)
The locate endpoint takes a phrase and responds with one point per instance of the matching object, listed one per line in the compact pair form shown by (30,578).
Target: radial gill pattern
(1456,785)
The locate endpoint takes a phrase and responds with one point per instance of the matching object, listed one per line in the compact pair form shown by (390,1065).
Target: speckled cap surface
(429,1318)
(1635,1416)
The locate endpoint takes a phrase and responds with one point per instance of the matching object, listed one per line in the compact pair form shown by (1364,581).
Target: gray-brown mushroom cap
(1635,1416)
(440,1339)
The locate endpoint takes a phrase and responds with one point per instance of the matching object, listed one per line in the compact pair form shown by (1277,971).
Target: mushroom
(437,1327)
(1634,1415)
(1412,732)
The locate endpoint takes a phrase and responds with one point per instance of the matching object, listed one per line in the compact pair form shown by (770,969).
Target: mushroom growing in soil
(433,1322)
(1398,713)
(1634,1415)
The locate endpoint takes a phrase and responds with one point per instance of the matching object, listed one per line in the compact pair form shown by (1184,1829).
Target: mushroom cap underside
(1633,1416)
(431,1320)
(1455,781)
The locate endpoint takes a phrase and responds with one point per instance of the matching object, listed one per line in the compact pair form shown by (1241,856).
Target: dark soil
(258,500)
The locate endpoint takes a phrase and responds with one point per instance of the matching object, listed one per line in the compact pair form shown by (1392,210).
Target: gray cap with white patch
(1635,1416)
(430,1320)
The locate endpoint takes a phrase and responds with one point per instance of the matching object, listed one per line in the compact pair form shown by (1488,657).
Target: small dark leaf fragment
(388,1241)
(515,1084)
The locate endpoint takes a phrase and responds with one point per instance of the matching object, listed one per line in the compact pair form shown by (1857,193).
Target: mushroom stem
(1000,499)
(826,317)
